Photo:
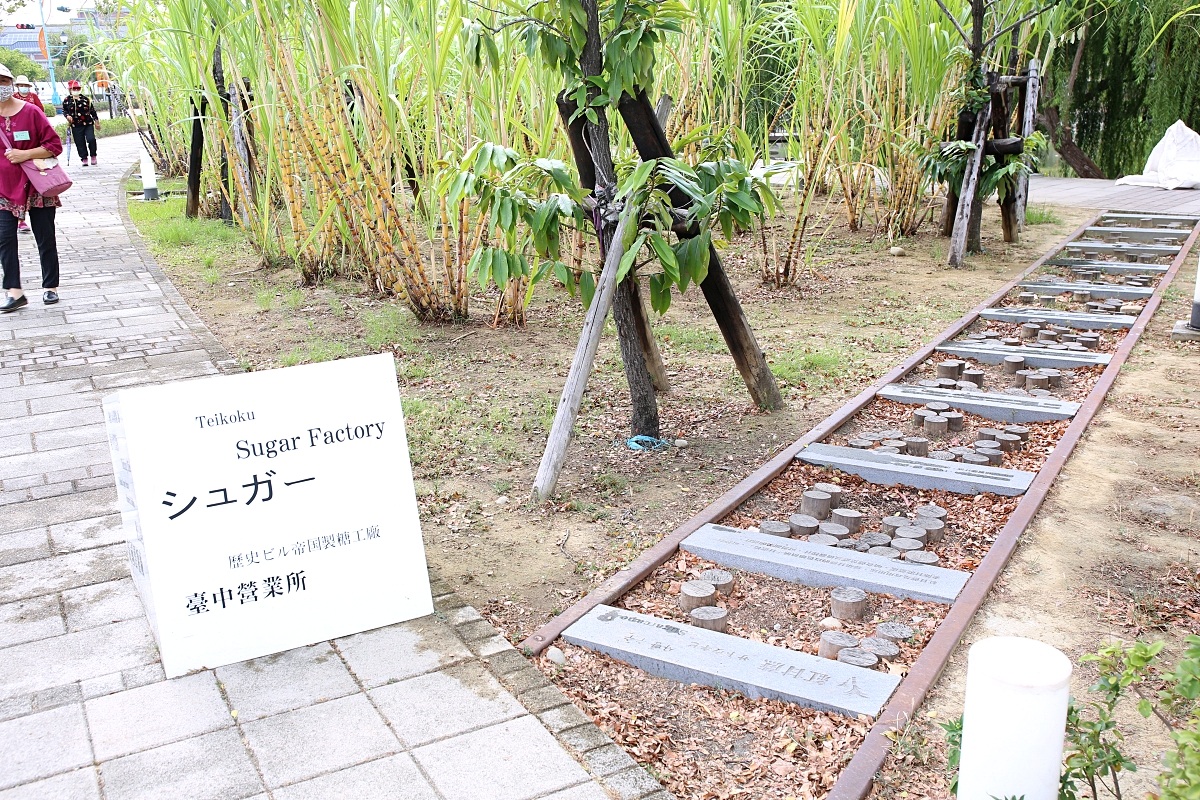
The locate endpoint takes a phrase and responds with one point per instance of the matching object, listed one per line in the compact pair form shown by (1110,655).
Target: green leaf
(499,266)
(660,293)
(629,257)
(483,259)
(698,257)
(587,288)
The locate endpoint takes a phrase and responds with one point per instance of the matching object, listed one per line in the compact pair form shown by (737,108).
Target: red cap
(73,84)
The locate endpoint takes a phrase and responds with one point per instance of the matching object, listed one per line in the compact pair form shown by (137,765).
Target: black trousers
(85,139)
(41,220)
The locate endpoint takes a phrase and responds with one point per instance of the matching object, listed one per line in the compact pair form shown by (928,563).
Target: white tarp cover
(1174,162)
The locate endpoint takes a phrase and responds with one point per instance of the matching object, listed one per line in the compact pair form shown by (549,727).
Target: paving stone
(1098,290)
(48,575)
(211,766)
(43,744)
(688,654)
(98,687)
(633,784)
(285,681)
(392,778)
(921,473)
(562,718)
(992,405)
(87,533)
(143,675)
(157,714)
(803,563)
(401,651)
(609,760)
(584,738)
(468,697)
(46,663)
(81,784)
(992,354)
(588,791)
(30,620)
(1079,320)
(302,744)
(510,761)
(22,546)
(101,604)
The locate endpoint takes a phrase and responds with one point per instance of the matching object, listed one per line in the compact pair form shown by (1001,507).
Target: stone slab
(1139,235)
(1098,290)
(1135,218)
(1184,332)
(994,354)
(992,405)
(694,655)
(920,473)
(1128,247)
(1108,267)
(814,565)
(1079,320)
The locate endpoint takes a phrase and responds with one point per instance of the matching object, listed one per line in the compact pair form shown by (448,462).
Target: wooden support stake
(654,362)
(581,365)
(1028,112)
(651,143)
(962,219)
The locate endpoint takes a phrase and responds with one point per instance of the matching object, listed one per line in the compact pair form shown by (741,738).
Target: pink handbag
(49,179)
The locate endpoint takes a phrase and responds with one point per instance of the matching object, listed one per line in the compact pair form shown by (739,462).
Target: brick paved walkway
(1090,193)
(440,707)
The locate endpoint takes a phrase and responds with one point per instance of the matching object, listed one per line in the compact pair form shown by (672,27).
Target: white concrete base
(1182,332)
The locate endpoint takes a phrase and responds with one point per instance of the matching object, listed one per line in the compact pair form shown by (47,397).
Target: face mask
(6,93)
(24,90)
(76,92)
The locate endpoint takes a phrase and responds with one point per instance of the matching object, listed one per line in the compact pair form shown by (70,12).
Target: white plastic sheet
(1174,162)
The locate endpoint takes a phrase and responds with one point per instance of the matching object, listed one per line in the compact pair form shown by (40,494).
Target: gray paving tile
(154,715)
(392,778)
(51,511)
(514,760)
(47,663)
(285,681)
(101,603)
(80,784)
(402,651)
(215,767)
(85,534)
(43,744)
(59,573)
(70,437)
(467,697)
(302,744)
(30,620)
(588,791)
(16,548)
(51,460)
(16,444)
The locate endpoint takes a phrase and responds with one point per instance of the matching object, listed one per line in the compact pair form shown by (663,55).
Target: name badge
(20,136)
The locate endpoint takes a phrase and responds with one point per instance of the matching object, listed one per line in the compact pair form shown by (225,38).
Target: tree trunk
(219,79)
(654,362)
(963,132)
(1064,145)
(1000,130)
(641,391)
(1029,100)
(970,186)
(195,160)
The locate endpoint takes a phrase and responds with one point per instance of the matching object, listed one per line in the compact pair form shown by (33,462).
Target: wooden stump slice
(848,517)
(709,617)
(1008,442)
(694,594)
(937,407)
(834,491)
(904,545)
(833,642)
(722,580)
(986,433)
(916,446)
(889,524)
(1018,430)
(975,376)
(860,444)
(993,454)
(835,530)
(936,425)
(803,524)
(878,646)
(774,527)
(875,539)
(893,631)
(1013,363)
(884,552)
(823,539)
(937,512)
(857,656)
(922,557)
(911,532)
(815,504)
(934,528)
(847,602)
(954,420)
(1037,381)
(976,459)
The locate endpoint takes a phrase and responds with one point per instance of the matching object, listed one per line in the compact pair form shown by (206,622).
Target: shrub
(108,127)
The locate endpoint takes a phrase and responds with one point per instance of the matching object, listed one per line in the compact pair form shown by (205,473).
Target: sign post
(268,510)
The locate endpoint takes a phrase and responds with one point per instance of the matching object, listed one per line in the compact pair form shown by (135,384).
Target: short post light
(1014,720)
(149,181)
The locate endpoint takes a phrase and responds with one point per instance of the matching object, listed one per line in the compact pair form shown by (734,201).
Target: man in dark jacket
(82,117)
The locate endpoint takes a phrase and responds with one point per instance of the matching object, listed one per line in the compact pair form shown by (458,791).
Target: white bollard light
(149,180)
(1014,719)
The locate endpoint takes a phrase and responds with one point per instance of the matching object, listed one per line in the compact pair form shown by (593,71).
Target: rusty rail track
(856,779)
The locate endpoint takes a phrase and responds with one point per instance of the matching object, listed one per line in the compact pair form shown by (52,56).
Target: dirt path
(478,401)
(1112,554)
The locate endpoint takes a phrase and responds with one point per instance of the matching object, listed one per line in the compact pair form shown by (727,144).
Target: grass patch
(316,352)
(390,325)
(809,369)
(1041,215)
(164,224)
(695,339)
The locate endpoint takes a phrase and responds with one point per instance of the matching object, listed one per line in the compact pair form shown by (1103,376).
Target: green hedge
(108,127)
(49,109)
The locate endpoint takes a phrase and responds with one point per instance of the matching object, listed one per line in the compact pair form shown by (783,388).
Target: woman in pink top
(30,136)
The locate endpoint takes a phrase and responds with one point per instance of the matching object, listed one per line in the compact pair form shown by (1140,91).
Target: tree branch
(958,26)
(1019,22)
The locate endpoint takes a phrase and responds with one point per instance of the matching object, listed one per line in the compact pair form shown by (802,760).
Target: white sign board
(272,509)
